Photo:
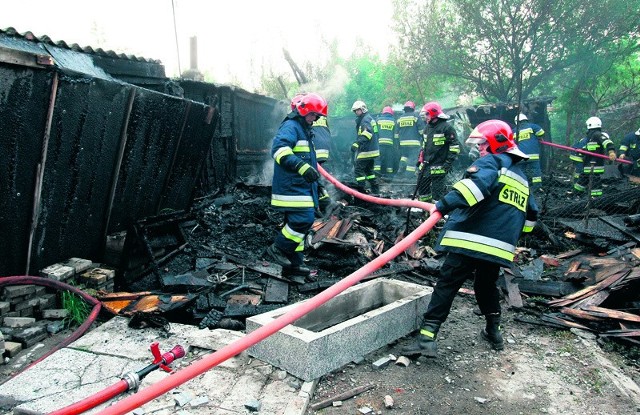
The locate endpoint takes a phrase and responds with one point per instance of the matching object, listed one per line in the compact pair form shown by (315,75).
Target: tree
(507,49)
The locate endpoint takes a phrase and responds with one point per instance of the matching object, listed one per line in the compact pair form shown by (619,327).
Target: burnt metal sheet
(24,99)
(195,141)
(153,133)
(78,173)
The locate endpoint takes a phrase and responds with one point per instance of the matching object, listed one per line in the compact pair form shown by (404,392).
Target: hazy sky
(235,38)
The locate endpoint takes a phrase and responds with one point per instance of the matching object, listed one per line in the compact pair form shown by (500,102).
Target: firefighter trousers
(455,270)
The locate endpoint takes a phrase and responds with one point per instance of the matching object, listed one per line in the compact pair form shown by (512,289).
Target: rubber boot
(426,344)
(375,188)
(493,332)
(275,255)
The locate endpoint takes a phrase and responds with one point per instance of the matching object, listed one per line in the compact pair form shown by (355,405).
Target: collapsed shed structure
(93,141)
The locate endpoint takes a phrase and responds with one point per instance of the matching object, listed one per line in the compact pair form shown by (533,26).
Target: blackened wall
(82,157)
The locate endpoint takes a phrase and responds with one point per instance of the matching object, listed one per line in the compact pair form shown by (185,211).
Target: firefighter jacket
(630,148)
(407,132)
(527,136)
(321,139)
(386,129)
(293,152)
(440,146)
(596,141)
(366,144)
(488,210)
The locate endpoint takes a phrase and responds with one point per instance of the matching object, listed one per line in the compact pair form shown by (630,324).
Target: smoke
(330,88)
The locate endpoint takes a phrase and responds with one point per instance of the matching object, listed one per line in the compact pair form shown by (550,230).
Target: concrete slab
(356,322)
(104,355)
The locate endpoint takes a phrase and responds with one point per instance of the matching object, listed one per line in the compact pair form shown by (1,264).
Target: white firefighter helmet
(521,117)
(594,122)
(359,105)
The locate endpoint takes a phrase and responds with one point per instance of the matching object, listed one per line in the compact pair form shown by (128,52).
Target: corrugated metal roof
(10,31)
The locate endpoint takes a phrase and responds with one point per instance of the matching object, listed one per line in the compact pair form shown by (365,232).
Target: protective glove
(612,155)
(621,157)
(474,153)
(309,173)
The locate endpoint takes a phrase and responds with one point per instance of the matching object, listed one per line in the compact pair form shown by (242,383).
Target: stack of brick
(81,273)
(25,300)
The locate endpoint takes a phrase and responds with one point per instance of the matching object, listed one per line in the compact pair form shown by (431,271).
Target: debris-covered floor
(207,268)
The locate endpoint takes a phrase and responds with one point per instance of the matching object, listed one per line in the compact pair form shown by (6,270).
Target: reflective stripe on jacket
(366,137)
(321,139)
(292,147)
(527,136)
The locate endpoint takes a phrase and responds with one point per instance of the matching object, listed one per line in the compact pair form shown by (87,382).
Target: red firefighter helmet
(387,110)
(434,110)
(498,135)
(295,100)
(312,103)
(410,104)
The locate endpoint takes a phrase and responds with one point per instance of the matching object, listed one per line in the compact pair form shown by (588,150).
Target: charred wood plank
(559,321)
(593,300)
(569,254)
(614,314)
(546,288)
(248,310)
(317,285)
(276,291)
(514,298)
(587,291)
(574,312)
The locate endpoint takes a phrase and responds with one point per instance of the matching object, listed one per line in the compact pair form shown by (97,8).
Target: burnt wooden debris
(205,266)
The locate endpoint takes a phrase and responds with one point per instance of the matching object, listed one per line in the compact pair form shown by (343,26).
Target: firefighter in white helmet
(365,149)
(590,168)
(528,135)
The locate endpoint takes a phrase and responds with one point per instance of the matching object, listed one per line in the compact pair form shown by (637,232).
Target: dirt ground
(541,370)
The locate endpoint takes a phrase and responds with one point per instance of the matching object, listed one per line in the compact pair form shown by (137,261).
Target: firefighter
(409,140)
(596,141)
(322,142)
(630,150)
(365,148)
(440,147)
(488,208)
(384,166)
(295,183)
(528,135)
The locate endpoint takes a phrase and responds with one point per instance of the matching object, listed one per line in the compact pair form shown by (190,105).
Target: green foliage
(78,309)
(491,45)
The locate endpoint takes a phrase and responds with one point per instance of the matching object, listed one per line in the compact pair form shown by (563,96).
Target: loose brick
(12,348)
(57,272)
(16,322)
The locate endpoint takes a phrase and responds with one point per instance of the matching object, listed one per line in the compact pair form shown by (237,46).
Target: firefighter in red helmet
(294,189)
(440,147)
(488,208)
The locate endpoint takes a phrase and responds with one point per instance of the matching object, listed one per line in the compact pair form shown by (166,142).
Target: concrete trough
(356,322)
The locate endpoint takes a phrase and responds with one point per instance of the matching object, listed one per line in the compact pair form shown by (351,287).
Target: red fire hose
(131,402)
(579,150)
(129,381)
